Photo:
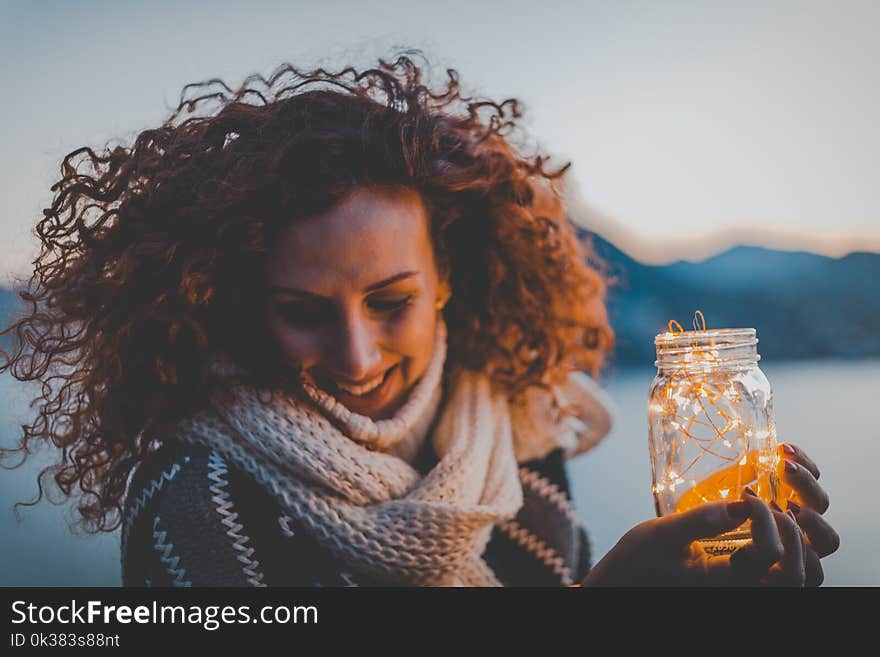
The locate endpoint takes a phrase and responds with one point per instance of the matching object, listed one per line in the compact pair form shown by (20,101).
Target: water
(40,550)
(827,407)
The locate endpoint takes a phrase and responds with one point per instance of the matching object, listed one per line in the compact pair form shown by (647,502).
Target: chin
(388,410)
(384,412)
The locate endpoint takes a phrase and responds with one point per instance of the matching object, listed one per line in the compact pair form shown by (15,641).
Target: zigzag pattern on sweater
(347,578)
(539,548)
(147,494)
(171,559)
(167,556)
(263,476)
(224,504)
(548,490)
(521,536)
(284,523)
(309,511)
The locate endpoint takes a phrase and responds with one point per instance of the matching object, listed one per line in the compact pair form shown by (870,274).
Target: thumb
(703,521)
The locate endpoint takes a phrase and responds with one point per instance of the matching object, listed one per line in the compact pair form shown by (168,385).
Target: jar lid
(721,344)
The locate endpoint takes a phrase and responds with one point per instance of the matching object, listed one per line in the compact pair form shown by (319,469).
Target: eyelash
(298,313)
(391,306)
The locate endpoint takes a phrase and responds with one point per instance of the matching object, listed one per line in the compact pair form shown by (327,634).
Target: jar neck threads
(707,350)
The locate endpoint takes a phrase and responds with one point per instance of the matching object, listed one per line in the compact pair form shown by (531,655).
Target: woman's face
(352,298)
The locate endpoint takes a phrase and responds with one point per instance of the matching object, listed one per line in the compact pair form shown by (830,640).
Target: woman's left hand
(802,494)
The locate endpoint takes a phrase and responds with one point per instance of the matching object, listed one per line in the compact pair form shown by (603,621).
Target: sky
(690,126)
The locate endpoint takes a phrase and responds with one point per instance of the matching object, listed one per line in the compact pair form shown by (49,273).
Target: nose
(357,356)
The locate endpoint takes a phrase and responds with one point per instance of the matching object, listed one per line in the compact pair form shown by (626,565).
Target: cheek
(296,347)
(414,339)
(412,334)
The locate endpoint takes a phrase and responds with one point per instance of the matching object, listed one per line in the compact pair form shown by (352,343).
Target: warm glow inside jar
(711,427)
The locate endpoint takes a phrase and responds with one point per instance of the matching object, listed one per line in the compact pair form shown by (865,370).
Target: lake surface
(830,408)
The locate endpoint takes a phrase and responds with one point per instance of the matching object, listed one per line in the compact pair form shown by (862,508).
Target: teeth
(363,389)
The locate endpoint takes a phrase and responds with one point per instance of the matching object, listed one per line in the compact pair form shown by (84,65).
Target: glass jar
(711,426)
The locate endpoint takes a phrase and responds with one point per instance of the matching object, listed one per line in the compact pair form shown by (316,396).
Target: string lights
(711,421)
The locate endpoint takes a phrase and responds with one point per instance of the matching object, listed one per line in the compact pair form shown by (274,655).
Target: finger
(704,521)
(795,453)
(747,566)
(804,484)
(792,564)
(823,539)
(765,535)
(751,562)
(804,546)
(814,575)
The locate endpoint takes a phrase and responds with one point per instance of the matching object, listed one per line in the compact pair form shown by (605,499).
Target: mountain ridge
(803,305)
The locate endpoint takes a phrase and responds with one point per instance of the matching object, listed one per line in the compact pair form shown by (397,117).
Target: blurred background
(724,159)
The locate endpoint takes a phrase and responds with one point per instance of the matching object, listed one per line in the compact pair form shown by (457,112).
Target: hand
(663,551)
(807,500)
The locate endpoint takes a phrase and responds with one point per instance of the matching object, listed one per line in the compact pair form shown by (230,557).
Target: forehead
(370,236)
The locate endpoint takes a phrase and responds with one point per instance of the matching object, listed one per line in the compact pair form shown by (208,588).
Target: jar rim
(726,337)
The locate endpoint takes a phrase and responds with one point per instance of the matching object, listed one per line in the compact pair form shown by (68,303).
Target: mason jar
(711,426)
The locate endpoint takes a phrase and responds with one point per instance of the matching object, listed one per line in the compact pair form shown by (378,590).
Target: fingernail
(775,506)
(748,490)
(738,510)
(791,467)
(793,507)
(788,449)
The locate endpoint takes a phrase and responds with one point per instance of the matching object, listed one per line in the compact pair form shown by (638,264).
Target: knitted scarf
(348,478)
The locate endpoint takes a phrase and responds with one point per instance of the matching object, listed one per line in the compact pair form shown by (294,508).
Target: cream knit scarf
(349,480)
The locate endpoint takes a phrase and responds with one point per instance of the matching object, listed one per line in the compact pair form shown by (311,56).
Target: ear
(444,289)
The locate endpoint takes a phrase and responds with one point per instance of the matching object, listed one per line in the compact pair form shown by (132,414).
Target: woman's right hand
(663,551)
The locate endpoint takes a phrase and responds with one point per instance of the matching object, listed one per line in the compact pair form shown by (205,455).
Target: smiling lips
(366,388)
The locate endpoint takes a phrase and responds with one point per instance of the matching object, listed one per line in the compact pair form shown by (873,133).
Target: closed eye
(390,305)
(309,314)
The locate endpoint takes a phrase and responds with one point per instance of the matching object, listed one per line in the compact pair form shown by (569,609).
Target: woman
(332,329)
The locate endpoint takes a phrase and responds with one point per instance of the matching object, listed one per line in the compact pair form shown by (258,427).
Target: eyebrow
(375,286)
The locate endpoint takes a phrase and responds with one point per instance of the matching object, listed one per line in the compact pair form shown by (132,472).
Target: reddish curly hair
(151,253)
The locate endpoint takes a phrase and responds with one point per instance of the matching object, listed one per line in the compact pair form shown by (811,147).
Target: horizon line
(710,243)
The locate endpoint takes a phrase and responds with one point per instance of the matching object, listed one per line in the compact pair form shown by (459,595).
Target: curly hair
(151,253)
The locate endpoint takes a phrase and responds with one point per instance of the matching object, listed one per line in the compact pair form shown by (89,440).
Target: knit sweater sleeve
(192,520)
